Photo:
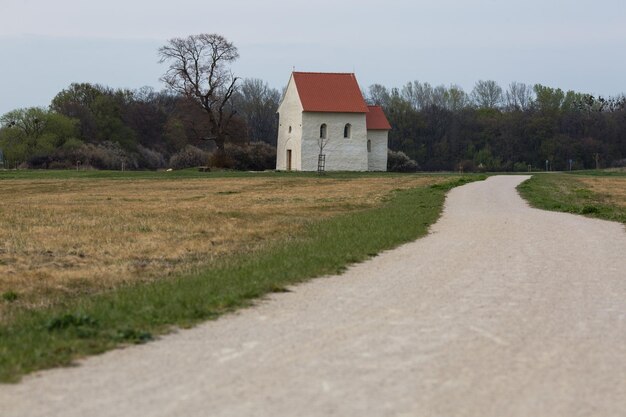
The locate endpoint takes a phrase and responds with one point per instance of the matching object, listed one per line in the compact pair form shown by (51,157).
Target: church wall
(290,114)
(342,154)
(377,158)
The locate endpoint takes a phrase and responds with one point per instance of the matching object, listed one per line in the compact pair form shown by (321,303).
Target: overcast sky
(46,45)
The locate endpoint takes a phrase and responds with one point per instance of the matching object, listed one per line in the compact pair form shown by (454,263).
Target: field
(61,238)
(91,262)
(611,190)
(597,194)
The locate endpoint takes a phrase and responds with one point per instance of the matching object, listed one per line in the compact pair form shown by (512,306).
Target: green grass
(57,336)
(599,173)
(564,192)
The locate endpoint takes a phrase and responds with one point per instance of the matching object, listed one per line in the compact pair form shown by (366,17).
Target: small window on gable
(369,145)
(347,130)
(323,131)
(289,129)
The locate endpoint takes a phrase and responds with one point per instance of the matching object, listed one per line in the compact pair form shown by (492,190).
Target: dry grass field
(600,194)
(59,238)
(613,189)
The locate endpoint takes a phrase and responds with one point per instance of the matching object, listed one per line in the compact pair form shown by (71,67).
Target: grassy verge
(575,193)
(56,336)
(601,173)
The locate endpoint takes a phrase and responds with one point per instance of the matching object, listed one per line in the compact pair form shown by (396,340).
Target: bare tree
(487,94)
(378,95)
(322,141)
(440,96)
(457,98)
(257,104)
(420,95)
(408,93)
(198,69)
(519,96)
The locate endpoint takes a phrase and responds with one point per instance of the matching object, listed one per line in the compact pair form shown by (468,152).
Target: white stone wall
(377,158)
(342,154)
(290,114)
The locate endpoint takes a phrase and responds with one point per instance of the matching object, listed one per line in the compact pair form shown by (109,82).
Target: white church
(325,113)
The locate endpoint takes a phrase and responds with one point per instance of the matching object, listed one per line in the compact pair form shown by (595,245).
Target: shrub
(263,156)
(220,159)
(256,156)
(39,161)
(189,157)
(520,167)
(467,165)
(64,164)
(400,162)
(9,296)
(589,209)
(106,155)
(620,163)
(149,158)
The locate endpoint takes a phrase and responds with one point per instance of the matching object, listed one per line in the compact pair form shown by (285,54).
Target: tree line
(142,129)
(208,116)
(496,129)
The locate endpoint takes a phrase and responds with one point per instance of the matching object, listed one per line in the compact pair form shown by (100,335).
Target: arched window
(369,145)
(347,130)
(323,131)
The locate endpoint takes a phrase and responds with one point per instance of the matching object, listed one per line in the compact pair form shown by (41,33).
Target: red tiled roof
(375,119)
(329,92)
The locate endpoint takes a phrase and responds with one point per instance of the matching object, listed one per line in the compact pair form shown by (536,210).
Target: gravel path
(502,310)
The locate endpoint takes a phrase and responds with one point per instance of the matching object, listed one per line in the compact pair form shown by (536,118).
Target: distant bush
(189,157)
(65,164)
(220,159)
(149,158)
(520,167)
(105,155)
(400,162)
(620,163)
(256,156)
(467,165)
(38,161)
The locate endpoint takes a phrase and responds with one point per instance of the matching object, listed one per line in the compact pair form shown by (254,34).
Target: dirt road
(503,310)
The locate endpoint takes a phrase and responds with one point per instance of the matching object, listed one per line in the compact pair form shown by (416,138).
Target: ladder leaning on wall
(321,163)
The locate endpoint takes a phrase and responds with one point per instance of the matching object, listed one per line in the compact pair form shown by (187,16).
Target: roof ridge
(318,72)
